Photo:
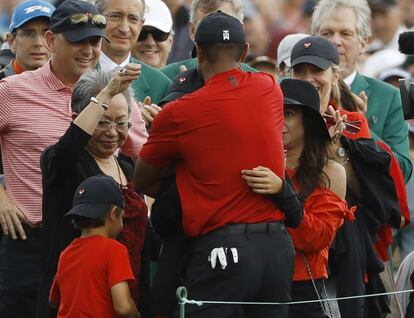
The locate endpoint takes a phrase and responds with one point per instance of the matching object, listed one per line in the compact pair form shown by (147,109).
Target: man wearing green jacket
(347,25)
(124,23)
(199,9)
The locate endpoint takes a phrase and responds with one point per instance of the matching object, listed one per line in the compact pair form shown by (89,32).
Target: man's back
(234,122)
(87,270)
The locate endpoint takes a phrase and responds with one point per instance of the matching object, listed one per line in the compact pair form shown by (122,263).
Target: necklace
(119,171)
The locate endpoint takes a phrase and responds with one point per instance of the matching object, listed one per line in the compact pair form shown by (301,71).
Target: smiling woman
(101,104)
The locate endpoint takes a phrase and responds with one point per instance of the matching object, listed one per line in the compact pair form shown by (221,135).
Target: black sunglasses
(157,35)
(81,19)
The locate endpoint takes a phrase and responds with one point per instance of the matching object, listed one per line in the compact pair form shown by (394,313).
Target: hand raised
(122,79)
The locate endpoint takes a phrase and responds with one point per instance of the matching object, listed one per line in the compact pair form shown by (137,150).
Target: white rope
(201,302)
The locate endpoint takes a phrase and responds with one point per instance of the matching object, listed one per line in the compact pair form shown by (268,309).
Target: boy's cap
(29,10)
(219,27)
(158,15)
(305,96)
(95,196)
(315,50)
(60,21)
(284,50)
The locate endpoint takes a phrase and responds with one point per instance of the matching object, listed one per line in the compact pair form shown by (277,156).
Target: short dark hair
(219,51)
(81,222)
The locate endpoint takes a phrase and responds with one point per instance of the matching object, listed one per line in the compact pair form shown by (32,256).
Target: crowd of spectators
(260,149)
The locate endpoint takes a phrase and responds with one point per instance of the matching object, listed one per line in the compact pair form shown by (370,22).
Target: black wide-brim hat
(304,95)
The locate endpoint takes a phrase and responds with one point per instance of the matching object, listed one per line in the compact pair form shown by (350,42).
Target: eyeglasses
(120,126)
(119,17)
(81,19)
(157,35)
(30,34)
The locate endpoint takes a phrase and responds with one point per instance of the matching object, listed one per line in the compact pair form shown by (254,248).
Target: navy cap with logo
(304,95)
(184,83)
(315,50)
(95,196)
(77,21)
(219,27)
(28,10)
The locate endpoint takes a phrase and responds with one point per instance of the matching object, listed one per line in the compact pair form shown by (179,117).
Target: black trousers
(304,290)
(20,262)
(263,272)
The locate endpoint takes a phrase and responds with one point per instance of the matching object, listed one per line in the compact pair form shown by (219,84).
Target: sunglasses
(351,127)
(81,19)
(157,35)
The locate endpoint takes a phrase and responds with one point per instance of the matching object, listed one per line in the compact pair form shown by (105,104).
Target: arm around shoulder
(337,178)
(123,304)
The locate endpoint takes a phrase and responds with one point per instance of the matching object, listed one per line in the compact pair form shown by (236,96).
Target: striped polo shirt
(34,113)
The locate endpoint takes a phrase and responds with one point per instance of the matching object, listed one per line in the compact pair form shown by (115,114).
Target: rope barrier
(182,299)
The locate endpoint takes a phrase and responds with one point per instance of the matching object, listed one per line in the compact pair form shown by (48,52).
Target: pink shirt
(34,113)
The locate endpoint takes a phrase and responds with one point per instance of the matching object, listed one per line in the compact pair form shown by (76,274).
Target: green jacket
(151,82)
(385,118)
(173,69)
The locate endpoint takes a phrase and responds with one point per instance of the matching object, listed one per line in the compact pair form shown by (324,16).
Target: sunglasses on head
(81,19)
(157,35)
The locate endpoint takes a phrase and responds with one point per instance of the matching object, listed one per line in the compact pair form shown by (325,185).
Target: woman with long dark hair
(321,184)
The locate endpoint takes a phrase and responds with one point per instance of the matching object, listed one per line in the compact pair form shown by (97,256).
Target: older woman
(321,184)
(101,104)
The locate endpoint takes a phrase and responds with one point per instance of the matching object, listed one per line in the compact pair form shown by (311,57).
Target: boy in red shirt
(94,273)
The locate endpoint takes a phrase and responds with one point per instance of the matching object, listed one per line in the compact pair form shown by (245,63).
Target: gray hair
(360,7)
(90,85)
(210,6)
(100,5)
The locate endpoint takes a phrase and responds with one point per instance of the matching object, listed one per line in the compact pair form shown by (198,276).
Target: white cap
(394,72)
(284,50)
(382,60)
(158,15)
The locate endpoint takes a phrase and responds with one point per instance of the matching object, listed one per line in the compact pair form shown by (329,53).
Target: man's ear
(50,38)
(200,54)
(192,30)
(10,37)
(245,51)
(364,43)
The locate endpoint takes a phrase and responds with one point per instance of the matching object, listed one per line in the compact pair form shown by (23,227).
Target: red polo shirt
(232,123)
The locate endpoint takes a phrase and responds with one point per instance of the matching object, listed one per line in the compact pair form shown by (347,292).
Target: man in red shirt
(232,123)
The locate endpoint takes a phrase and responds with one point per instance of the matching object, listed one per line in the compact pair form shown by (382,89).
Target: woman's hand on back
(262,180)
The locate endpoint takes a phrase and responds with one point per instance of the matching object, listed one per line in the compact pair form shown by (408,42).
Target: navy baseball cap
(305,96)
(184,83)
(28,10)
(78,20)
(219,27)
(95,196)
(314,50)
